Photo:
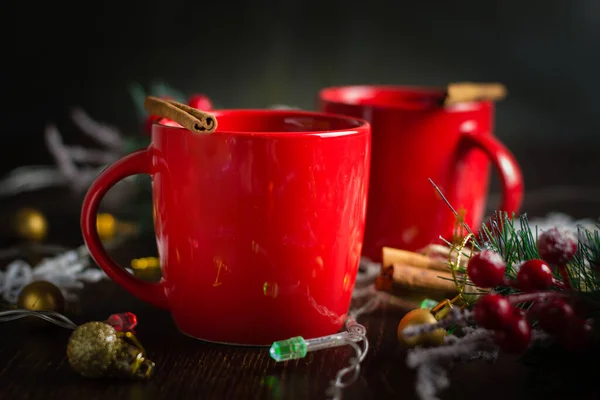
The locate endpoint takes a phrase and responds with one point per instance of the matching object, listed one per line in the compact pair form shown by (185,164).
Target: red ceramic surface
(259,225)
(414,139)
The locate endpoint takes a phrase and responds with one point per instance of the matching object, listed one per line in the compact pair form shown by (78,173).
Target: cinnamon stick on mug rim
(189,117)
(464,92)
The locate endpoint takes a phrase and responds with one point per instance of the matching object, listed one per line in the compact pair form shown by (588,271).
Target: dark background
(255,54)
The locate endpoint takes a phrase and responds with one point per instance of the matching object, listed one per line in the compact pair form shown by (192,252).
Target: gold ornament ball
(30,224)
(41,296)
(106,225)
(420,316)
(92,349)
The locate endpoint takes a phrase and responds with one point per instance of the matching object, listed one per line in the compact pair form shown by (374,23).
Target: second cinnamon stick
(397,256)
(422,279)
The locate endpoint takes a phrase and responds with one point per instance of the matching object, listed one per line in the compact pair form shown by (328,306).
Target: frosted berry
(515,336)
(201,102)
(486,269)
(534,275)
(492,311)
(557,246)
(555,315)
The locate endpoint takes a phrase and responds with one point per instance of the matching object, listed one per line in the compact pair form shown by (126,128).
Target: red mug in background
(259,225)
(415,139)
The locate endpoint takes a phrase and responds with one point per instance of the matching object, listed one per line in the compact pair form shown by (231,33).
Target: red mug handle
(511,177)
(139,162)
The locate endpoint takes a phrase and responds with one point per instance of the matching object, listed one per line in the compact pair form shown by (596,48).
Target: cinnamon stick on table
(401,278)
(397,256)
(445,253)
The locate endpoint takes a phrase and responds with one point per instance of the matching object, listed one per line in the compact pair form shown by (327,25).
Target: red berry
(492,311)
(515,337)
(534,275)
(557,246)
(555,315)
(486,269)
(201,102)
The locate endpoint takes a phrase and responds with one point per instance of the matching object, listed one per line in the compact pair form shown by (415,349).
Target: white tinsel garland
(68,271)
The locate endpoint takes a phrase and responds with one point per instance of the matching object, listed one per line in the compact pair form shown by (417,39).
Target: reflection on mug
(274,290)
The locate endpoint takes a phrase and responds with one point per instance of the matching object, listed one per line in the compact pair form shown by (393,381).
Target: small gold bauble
(106,225)
(41,296)
(420,316)
(30,224)
(92,349)
(145,263)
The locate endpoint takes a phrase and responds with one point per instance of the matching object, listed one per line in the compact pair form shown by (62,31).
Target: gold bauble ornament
(92,348)
(420,316)
(30,224)
(106,225)
(41,296)
(96,350)
(145,263)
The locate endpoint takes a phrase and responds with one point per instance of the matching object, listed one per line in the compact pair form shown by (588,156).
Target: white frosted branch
(59,151)
(103,134)
(27,179)
(68,271)
(92,156)
(432,364)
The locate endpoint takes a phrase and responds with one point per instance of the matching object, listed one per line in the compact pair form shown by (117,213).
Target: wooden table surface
(33,364)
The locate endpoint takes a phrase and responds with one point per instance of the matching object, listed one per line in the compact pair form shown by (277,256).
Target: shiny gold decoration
(41,296)
(443,308)
(96,349)
(106,225)
(145,263)
(30,224)
(109,227)
(147,268)
(458,276)
(420,316)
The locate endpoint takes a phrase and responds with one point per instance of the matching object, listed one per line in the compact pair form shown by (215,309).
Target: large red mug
(414,139)
(259,224)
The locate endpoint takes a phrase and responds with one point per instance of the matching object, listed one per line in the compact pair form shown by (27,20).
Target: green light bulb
(289,349)
(428,303)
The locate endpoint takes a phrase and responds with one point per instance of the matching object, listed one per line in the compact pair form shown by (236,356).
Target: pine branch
(516,241)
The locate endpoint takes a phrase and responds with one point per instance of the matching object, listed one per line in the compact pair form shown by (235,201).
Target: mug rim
(340,95)
(361,126)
